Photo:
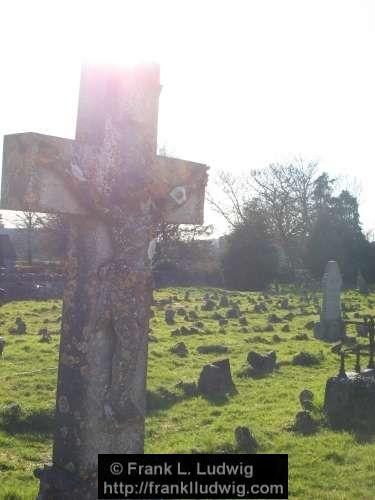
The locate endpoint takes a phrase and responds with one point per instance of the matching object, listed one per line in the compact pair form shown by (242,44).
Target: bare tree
(227,197)
(28,221)
(284,194)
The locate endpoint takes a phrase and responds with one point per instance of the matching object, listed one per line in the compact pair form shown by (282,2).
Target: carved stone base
(331,331)
(350,401)
(58,484)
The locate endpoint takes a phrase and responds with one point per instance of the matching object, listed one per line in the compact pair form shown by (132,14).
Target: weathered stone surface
(306,399)
(45,335)
(304,358)
(11,413)
(180,349)
(331,331)
(245,439)
(350,402)
(169,316)
(117,188)
(20,328)
(262,363)
(331,327)
(216,379)
(3,296)
(362,330)
(304,422)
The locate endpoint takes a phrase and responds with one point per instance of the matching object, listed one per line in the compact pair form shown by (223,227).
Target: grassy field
(325,465)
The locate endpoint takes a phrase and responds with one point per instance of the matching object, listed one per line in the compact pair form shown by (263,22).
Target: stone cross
(331,326)
(114,189)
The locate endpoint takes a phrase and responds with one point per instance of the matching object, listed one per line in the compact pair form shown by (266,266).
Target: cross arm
(178,188)
(33,179)
(30,179)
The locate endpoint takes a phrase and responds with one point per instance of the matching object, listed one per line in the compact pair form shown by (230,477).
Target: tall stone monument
(114,188)
(331,326)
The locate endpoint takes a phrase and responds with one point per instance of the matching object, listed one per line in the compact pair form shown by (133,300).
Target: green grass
(325,465)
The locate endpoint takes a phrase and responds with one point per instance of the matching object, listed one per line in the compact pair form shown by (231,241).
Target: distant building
(8,255)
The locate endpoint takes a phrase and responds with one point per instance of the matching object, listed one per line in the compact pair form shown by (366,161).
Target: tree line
(286,221)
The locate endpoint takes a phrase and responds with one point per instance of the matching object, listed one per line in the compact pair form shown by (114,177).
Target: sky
(245,83)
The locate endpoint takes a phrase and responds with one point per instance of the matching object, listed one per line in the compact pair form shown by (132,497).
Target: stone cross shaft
(114,189)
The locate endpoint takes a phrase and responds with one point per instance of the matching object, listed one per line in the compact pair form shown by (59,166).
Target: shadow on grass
(35,422)
(250,372)
(363,434)
(11,495)
(220,399)
(163,399)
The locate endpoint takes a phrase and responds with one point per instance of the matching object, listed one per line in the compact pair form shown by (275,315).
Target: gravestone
(331,326)
(114,188)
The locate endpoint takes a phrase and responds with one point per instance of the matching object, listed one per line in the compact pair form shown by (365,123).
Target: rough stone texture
(262,363)
(350,402)
(216,379)
(245,439)
(45,335)
(169,316)
(111,180)
(20,328)
(331,284)
(331,327)
(304,422)
(180,349)
(331,331)
(306,399)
